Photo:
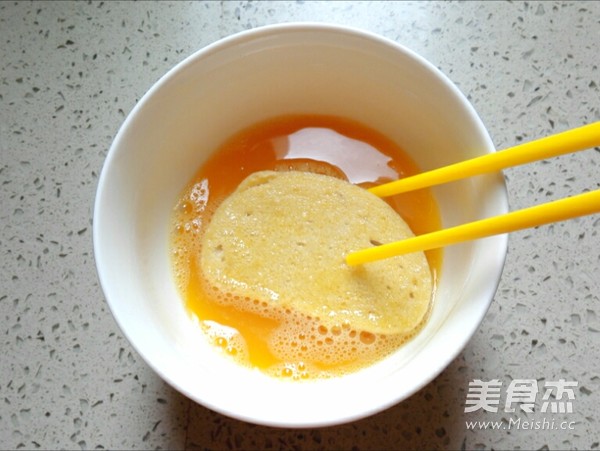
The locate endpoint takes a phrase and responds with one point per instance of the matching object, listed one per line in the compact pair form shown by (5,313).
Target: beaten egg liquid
(281,342)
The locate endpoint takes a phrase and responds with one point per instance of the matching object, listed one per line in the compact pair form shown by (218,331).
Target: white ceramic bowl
(227,86)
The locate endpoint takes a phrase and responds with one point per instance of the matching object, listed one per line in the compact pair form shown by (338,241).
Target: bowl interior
(230,85)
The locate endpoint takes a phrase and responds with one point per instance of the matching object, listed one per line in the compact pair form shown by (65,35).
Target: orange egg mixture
(284,343)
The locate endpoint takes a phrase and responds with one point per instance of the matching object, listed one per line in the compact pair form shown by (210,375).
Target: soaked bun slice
(282,237)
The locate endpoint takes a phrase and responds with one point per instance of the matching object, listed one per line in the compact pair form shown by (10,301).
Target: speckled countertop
(70,72)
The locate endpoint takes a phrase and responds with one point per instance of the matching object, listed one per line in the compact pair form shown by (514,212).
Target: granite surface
(69,74)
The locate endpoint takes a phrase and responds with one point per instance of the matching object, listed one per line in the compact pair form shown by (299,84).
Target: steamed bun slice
(282,237)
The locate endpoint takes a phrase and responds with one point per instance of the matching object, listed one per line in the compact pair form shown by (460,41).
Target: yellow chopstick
(551,146)
(583,204)
(559,210)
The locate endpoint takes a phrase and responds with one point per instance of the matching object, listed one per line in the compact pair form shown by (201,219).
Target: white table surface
(69,74)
